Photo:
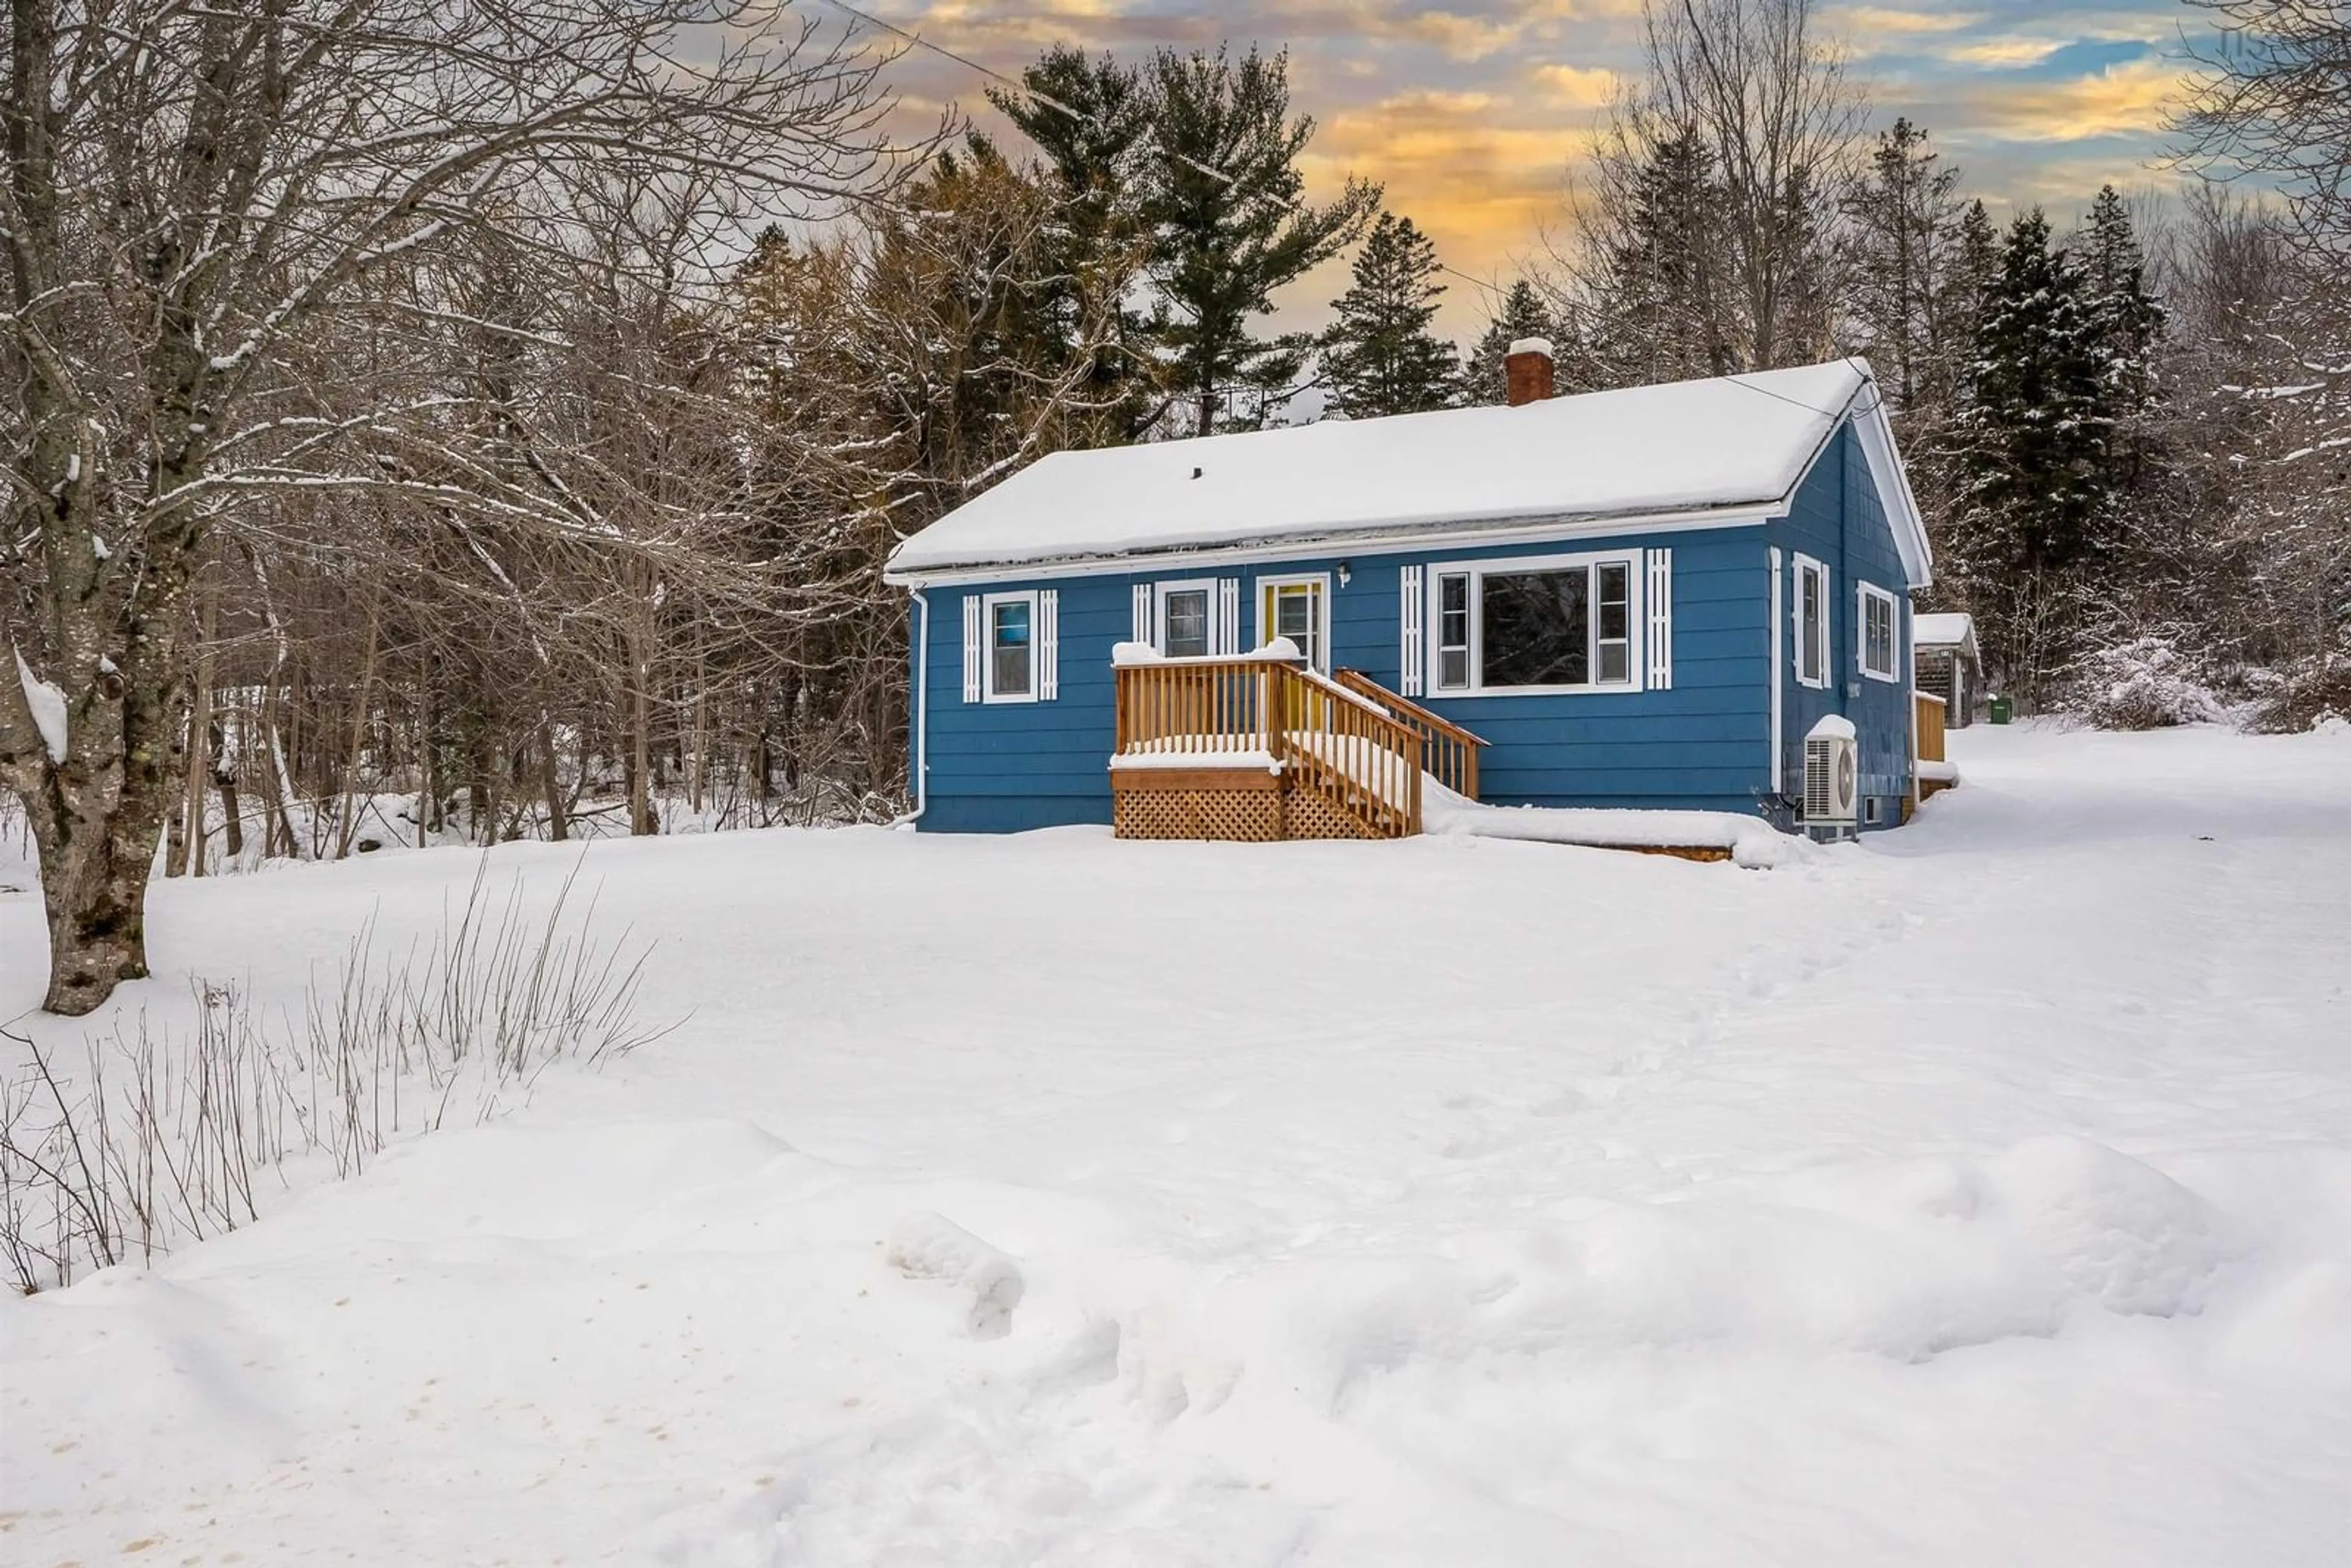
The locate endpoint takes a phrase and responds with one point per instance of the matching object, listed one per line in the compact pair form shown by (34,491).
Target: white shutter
(1048,645)
(1414,645)
(1778,666)
(1229,615)
(1828,626)
(972,651)
(1143,627)
(1661,619)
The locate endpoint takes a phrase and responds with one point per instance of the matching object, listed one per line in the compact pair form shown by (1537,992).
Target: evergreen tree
(1523,314)
(1091,118)
(2130,320)
(1663,301)
(2031,456)
(1974,264)
(1379,355)
(1229,228)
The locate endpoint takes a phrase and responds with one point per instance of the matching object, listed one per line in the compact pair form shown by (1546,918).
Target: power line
(1492,289)
(1798,402)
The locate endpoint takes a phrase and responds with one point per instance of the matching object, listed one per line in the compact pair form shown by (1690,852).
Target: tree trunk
(277,821)
(97,832)
(559,825)
(200,729)
(175,838)
(225,781)
(642,821)
(360,715)
(94,891)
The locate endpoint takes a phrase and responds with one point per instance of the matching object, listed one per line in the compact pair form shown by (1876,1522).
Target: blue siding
(1705,744)
(1838,519)
(1005,767)
(1700,746)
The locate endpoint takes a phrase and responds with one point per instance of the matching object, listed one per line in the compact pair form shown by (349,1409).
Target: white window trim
(1635,625)
(1827,641)
(1159,593)
(1321,582)
(1438,576)
(1864,593)
(989,694)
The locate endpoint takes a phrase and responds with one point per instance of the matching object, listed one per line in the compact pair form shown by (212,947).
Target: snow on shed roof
(1688,446)
(1951,629)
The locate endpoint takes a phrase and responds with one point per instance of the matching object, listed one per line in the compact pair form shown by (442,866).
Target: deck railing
(1452,751)
(1194,707)
(1344,749)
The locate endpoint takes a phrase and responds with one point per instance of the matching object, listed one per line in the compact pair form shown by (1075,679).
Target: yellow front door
(1294,610)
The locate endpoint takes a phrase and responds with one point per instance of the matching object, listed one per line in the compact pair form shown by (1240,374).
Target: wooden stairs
(1260,747)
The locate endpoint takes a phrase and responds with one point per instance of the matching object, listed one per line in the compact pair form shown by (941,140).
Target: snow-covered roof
(1727,445)
(1950,629)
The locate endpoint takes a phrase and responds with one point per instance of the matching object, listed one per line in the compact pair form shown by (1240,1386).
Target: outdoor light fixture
(1345,571)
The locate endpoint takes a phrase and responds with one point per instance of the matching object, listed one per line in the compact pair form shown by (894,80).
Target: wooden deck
(1258,748)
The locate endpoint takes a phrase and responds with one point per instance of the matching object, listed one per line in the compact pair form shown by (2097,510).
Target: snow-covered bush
(2306,695)
(2146,682)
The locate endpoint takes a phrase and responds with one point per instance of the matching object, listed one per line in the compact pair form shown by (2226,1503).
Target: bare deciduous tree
(1719,186)
(216,221)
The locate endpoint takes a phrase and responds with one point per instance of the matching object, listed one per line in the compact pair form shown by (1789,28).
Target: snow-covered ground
(1981,1193)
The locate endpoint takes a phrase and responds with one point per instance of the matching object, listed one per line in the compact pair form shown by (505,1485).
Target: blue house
(1647,598)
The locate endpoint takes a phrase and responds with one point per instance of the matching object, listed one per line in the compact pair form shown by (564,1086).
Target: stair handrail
(1381,790)
(1453,752)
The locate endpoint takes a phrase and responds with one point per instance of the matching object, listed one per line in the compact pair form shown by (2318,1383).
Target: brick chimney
(1528,367)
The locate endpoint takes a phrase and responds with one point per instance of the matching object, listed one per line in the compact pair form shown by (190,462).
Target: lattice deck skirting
(1246,805)
(1253,818)
(1305,815)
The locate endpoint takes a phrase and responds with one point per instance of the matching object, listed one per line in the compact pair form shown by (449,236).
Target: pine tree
(1975,265)
(2130,320)
(1379,356)
(2031,456)
(1523,314)
(1091,119)
(1228,227)
(1664,302)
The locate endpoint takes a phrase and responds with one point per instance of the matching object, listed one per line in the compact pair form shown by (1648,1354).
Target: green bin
(2003,710)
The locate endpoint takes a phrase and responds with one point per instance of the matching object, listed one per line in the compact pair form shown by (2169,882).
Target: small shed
(1946,664)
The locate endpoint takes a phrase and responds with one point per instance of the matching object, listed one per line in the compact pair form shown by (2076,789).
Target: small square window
(1184,621)
(1187,624)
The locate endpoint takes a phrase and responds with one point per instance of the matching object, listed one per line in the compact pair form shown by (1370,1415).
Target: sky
(1474,114)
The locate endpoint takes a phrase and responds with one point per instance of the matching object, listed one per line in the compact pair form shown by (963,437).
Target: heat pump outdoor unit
(1832,786)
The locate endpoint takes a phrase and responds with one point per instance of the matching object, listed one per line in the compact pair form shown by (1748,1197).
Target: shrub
(2143,683)
(2306,695)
